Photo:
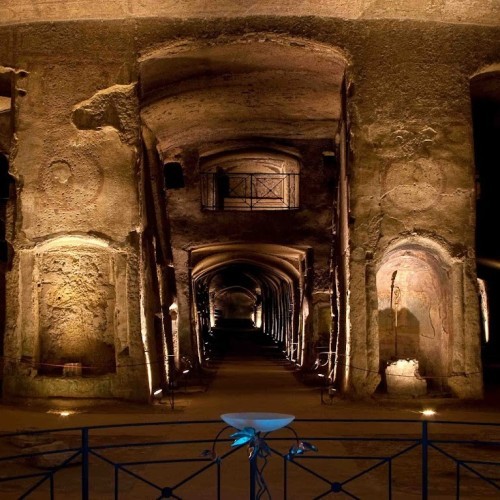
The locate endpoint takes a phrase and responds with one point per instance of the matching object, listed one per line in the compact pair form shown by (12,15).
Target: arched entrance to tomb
(245,141)
(415,311)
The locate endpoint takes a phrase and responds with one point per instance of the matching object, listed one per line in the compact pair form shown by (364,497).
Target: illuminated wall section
(77,307)
(421,316)
(94,237)
(75,337)
(415,311)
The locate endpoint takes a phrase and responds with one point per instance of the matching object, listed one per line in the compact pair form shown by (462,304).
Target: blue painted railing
(358,458)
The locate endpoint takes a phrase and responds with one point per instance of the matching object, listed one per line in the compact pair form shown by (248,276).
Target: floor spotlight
(62,413)
(428,412)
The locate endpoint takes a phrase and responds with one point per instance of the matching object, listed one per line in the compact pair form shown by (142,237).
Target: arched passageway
(244,292)
(250,164)
(326,130)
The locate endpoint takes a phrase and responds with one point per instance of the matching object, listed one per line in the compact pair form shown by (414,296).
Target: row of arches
(197,121)
(415,282)
(258,286)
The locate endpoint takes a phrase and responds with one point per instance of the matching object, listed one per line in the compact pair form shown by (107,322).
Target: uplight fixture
(428,412)
(62,413)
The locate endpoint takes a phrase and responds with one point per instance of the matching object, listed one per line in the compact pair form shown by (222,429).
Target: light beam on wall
(144,328)
(485,313)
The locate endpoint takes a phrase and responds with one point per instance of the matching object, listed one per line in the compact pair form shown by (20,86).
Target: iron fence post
(390,478)
(253,476)
(425,450)
(85,463)
(51,479)
(218,479)
(285,478)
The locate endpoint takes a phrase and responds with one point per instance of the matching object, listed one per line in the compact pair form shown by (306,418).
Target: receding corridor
(252,374)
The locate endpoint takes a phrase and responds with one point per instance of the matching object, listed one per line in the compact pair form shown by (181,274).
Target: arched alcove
(76,303)
(233,302)
(414,310)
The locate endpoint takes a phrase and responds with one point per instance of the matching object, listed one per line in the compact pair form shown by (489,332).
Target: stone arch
(232,72)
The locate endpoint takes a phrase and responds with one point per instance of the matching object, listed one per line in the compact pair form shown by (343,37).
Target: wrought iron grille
(249,191)
(356,458)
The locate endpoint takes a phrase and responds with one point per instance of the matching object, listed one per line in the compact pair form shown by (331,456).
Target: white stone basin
(260,421)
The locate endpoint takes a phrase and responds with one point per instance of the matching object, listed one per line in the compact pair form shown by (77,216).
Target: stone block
(403,378)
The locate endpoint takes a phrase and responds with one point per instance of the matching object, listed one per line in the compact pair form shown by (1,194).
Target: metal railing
(249,191)
(358,458)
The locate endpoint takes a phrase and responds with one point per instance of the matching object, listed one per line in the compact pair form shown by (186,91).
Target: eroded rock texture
(128,131)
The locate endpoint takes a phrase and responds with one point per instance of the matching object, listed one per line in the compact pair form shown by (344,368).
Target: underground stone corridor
(323,178)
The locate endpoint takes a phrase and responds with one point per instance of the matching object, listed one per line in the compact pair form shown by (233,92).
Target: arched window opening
(254,180)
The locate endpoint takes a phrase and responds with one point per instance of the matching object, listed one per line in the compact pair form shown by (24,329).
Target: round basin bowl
(261,422)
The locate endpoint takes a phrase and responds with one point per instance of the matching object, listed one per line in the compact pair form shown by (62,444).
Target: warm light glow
(212,312)
(258,317)
(305,313)
(484,309)
(494,264)
(164,346)
(73,240)
(62,413)
(428,412)
(144,330)
(348,338)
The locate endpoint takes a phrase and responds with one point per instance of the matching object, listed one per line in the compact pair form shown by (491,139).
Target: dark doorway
(485,98)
